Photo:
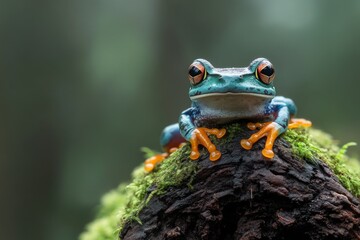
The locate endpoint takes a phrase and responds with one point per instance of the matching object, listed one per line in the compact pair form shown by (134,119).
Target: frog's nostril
(221,80)
(240,78)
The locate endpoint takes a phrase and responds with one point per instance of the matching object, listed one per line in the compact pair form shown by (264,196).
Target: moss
(124,203)
(231,131)
(112,207)
(171,172)
(314,145)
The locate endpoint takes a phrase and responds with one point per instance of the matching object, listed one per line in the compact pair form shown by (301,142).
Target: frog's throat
(231,93)
(226,107)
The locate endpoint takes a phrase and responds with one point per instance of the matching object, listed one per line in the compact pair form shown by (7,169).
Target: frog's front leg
(282,108)
(199,135)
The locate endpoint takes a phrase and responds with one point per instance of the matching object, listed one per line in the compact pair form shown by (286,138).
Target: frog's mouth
(231,95)
(232,104)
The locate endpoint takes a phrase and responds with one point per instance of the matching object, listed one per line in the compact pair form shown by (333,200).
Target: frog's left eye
(197,73)
(265,72)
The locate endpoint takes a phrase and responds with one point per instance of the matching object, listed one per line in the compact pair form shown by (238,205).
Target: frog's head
(254,81)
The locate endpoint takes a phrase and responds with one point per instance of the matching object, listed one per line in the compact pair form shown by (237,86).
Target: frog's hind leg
(170,141)
(152,161)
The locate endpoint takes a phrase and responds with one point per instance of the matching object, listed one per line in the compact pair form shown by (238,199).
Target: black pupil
(268,71)
(194,71)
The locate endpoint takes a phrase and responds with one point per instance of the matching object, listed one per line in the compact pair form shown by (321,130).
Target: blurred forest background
(84,84)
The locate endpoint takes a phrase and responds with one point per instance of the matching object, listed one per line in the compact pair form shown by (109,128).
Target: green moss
(171,172)
(112,207)
(231,131)
(124,203)
(314,145)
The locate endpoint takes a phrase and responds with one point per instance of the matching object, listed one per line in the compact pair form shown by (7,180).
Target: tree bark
(244,196)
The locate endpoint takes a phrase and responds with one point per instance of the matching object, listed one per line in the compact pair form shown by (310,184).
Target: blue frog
(225,95)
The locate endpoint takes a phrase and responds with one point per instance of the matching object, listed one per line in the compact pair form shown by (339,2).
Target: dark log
(244,196)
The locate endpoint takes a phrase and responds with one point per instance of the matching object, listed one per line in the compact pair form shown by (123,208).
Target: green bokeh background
(85,83)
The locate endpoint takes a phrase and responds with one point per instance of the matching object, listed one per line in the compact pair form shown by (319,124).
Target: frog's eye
(265,72)
(197,73)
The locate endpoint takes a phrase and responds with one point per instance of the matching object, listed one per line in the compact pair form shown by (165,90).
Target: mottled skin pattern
(224,95)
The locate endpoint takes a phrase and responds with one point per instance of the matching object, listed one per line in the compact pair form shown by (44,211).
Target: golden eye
(265,72)
(197,73)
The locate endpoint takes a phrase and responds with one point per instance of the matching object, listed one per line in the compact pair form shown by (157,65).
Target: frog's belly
(227,107)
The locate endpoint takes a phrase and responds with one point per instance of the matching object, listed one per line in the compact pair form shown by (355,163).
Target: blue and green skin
(225,95)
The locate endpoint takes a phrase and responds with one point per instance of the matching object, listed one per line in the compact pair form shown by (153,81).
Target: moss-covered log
(305,192)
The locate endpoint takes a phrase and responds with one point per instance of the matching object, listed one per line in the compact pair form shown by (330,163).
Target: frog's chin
(230,106)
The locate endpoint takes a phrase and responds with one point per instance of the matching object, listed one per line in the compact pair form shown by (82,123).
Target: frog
(221,96)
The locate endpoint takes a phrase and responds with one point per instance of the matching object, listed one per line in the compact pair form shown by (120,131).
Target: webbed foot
(269,129)
(200,136)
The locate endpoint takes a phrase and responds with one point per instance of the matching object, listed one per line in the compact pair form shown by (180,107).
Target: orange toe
(214,156)
(194,155)
(246,144)
(149,167)
(268,153)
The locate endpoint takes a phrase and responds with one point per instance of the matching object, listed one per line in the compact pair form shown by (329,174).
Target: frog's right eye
(197,73)
(265,72)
